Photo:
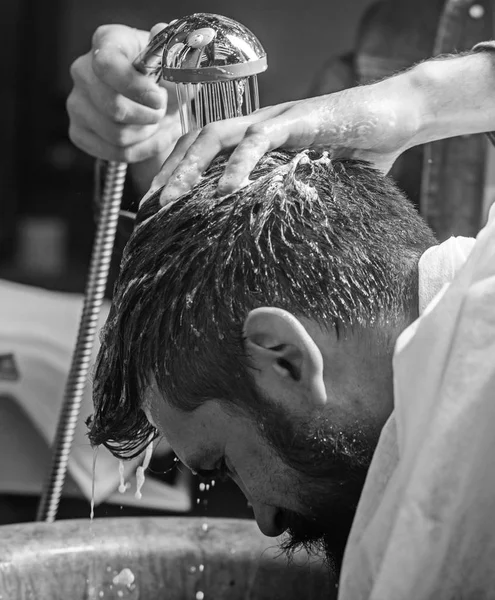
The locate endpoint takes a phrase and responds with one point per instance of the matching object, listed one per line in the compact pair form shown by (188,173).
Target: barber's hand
(375,123)
(116,113)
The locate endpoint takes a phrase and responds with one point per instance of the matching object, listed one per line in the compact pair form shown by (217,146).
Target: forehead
(192,435)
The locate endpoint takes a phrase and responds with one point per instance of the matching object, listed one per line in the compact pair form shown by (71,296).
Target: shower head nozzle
(203,48)
(213,62)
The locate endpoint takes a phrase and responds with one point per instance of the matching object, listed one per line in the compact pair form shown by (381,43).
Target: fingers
(172,161)
(114,49)
(92,143)
(195,151)
(84,113)
(114,106)
(175,158)
(184,167)
(287,129)
(116,112)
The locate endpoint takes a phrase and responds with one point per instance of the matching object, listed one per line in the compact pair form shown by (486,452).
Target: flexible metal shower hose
(81,358)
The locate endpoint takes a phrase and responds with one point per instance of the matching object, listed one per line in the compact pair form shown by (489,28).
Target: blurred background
(46,221)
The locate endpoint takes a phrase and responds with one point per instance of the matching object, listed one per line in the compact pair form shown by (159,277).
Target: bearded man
(256,332)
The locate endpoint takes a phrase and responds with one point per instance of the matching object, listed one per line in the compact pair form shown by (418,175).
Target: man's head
(257,330)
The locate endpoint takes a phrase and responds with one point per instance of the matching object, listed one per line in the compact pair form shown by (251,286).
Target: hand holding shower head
(213,61)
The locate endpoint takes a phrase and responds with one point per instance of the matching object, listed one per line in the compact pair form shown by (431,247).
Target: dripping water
(142,468)
(93,480)
(240,87)
(122,483)
(203,103)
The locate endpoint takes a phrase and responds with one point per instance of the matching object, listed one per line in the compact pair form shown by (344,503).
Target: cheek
(259,472)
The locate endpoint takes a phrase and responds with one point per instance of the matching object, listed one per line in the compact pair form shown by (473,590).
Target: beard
(330,468)
(324,531)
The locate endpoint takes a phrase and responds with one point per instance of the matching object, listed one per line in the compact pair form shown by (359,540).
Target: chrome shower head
(213,60)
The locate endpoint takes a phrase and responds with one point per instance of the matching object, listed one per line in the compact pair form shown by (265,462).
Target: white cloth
(38,330)
(424,527)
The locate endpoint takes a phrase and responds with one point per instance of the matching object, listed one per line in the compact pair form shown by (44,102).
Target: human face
(317,510)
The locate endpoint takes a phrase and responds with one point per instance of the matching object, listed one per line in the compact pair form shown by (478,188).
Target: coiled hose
(81,358)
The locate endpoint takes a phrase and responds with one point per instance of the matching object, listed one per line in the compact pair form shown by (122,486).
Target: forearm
(456,96)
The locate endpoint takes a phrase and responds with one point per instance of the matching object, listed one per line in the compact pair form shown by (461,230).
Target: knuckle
(75,137)
(209,130)
(257,130)
(100,33)
(77,69)
(127,154)
(122,136)
(102,63)
(118,110)
(71,104)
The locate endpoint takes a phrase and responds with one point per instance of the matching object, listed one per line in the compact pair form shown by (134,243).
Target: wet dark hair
(331,240)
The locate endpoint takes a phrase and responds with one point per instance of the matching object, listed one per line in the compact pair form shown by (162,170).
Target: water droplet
(201,568)
(192,569)
(207,487)
(125,577)
(202,487)
(204,527)
(93,480)
(101,594)
(212,483)
(120,594)
(198,500)
(200,595)
(476,11)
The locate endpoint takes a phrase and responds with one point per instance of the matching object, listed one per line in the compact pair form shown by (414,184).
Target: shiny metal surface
(79,370)
(201,47)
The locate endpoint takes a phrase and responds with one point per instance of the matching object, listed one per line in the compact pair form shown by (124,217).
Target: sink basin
(147,558)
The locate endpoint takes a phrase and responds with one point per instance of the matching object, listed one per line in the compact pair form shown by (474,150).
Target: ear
(287,362)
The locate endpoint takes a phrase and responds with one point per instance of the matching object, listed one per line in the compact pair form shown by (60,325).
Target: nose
(269,518)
